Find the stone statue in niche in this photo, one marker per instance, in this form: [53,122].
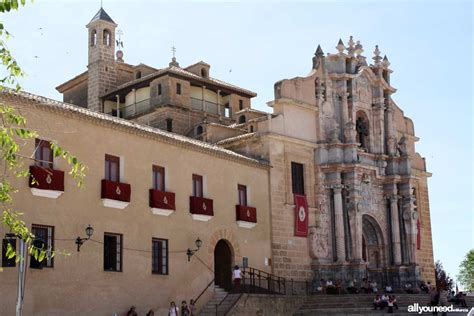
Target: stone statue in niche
[320,90]
[350,132]
[402,146]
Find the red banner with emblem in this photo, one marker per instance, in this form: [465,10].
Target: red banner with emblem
[301,215]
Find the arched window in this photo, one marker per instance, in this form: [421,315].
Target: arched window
[106,37]
[242,119]
[251,128]
[199,130]
[363,130]
[93,38]
[203,73]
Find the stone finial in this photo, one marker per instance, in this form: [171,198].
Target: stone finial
[358,49]
[340,47]
[377,57]
[385,61]
[350,48]
[319,52]
[174,62]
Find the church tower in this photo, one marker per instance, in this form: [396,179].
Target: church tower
[102,71]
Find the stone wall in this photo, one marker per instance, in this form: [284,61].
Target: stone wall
[255,304]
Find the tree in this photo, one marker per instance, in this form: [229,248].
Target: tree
[442,278]
[13,132]
[466,271]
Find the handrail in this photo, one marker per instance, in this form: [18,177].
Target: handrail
[256,276]
[210,283]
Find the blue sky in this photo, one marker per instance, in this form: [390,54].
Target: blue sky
[429,44]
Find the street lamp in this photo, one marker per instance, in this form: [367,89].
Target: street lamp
[191,252]
[80,241]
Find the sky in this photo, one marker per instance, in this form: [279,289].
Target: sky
[253,44]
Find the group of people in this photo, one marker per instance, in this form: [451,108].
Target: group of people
[367,286]
[385,301]
[183,310]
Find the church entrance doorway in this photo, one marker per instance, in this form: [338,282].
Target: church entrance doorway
[373,252]
[223,265]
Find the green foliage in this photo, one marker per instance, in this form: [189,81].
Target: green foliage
[466,271]
[14,131]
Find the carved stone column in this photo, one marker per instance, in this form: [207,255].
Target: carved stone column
[339,221]
[390,132]
[397,257]
[379,130]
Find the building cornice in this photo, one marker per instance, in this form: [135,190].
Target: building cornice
[129,127]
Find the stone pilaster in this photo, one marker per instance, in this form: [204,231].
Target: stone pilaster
[379,129]
[339,221]
[391,139]
[395,224]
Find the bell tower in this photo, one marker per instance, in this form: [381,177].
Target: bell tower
[102,71]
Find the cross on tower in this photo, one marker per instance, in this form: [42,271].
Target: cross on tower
[173,49]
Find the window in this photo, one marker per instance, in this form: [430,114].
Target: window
[197,185]
[203,73]
[138,75]
[178,88]
[242,194]
[44,239]
[169,125]
[159,89]
[242,119]
[113,252]
[93,38]
[106,37]
[43,154]
[158,178]
[297,178]
[159,249]
[251,128]
[9,239]
[199,130]
[241,105]
[112,168]
[227,110]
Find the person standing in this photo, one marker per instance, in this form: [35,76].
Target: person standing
[173,311]
[237,276]
[184,309]
[192,308]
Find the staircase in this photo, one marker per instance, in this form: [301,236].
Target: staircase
[356,304]
[220,303]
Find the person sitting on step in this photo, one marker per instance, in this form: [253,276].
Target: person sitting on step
[394,300]
[377,302]
[390,305]
[384,300]
[388,289]
[408,288]
[373,286]
[351,289]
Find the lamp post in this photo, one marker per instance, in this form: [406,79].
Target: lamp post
[191,252]
[80,241]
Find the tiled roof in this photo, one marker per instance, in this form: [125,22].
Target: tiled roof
[102,15]
[236,139]
[176,139]
[226,126]
[184,73]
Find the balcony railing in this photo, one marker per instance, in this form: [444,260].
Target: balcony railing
[210,107]
[132,110]
[137,108]
[246,216]
[115,194]
[201,209]
[162,203]
[46,182]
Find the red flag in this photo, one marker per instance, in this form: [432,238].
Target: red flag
[301,215]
